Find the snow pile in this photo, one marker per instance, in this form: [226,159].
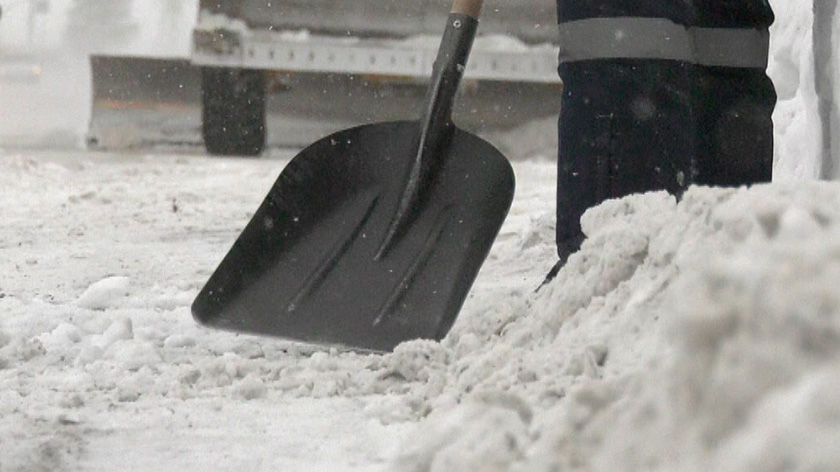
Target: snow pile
[703,335]
[104,293]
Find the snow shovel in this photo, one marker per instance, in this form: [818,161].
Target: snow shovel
[374,235]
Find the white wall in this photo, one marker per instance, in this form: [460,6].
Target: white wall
[797,146]
[827,68]
[804,68]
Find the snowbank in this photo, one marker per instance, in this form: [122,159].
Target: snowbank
[697,336]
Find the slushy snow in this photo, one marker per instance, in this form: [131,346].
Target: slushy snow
[692,335]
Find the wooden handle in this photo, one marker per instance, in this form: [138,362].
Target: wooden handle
[470,8]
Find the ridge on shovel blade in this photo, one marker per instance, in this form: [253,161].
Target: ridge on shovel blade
[371,236]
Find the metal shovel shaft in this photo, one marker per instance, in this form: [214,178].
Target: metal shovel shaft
[436,121]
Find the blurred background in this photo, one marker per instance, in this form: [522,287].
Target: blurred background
[48,86]
[45,83]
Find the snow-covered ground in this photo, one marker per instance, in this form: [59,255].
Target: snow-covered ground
[703,335]
[692,336]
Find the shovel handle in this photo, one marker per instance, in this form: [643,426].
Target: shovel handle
[436,127]
[471,8]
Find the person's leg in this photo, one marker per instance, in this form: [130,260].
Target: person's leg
[735,126]
[734,98]
[625,127]
[626,123]
[641,123]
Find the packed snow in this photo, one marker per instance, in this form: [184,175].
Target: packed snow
[692,335]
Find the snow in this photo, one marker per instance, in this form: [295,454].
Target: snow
[208,21]
[101,364]
[686,336]
[104,293]
[682,336]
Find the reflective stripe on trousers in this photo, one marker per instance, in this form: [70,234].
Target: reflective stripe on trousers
[658,38]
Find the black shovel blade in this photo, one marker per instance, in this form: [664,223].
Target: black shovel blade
[307,266]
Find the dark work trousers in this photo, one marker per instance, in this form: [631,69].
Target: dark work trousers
[734,130]
[630,125]
[625,131]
